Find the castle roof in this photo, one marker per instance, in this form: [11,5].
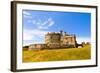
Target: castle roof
[60,33]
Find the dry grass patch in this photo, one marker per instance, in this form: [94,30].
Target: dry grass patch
[57,54]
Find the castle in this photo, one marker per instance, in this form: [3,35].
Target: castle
[54,40]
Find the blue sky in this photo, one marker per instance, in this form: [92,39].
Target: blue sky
[37,23]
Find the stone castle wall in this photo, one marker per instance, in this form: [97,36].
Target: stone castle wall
[56,40]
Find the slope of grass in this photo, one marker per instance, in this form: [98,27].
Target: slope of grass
[57,54]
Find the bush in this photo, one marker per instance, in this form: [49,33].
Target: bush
[26,47]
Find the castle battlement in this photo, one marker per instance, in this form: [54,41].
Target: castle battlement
[53,33]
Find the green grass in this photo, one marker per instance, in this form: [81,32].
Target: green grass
[57,54]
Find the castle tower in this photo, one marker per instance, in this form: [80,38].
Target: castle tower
[61,32]
[68,40]
[53,39]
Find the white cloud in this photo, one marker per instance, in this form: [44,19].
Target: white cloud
[36,35]
[46,24]
[51,23]
[33,21]
[83,39]
[26,16]
[31,34]
[28,42]
[39,23]
[27,36]
[26,13]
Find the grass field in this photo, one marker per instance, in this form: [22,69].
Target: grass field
[57,54]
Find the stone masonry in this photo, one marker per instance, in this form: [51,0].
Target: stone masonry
[54,40]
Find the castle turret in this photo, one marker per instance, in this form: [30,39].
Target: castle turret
[61,32]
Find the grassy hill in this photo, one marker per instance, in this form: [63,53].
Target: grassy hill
[57,54]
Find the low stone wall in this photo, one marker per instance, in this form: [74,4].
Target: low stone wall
[49,46]
[37,46]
